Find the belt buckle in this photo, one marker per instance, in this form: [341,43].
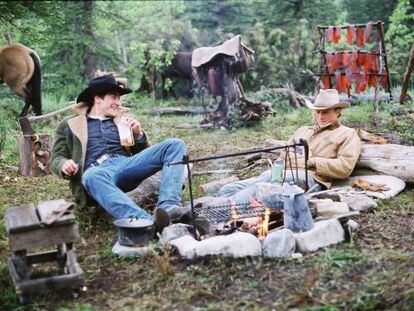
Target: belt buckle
[102,159]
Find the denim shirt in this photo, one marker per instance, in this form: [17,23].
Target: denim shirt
[103,137]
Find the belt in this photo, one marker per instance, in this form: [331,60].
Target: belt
[102,159]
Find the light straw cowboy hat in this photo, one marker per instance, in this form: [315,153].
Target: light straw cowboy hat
[327,99]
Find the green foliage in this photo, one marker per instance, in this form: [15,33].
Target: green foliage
[400,36]
[362,11]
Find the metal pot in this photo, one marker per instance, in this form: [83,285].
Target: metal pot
[134,231]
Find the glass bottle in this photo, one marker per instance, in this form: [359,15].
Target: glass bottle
[126,136]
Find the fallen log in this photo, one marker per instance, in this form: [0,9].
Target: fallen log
[212,172]
[215,185]
[356,99]
[389,159]
[295,99]
[174,111]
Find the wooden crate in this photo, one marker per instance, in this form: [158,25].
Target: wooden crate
[27,232]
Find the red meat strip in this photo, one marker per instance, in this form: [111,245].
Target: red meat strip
[372,80]
[354,59]
[367,62]
[361,59]
[360,36]
[345,59]
[330,33]
[374,62]
[350,34]
[336,57]
[326,81]
[367,32]
[363,81]
[328,58]
[337,34]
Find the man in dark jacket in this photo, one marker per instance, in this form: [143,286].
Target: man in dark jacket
[89,152]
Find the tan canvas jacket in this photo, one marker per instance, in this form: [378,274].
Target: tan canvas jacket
[335,149]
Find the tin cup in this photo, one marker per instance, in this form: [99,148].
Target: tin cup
[277,173]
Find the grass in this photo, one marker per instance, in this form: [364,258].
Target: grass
[375,272]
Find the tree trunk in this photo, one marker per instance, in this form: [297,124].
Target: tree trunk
[90,57]
[407,74]
[34,153]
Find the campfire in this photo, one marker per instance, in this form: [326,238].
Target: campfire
[255,216]
[252,217]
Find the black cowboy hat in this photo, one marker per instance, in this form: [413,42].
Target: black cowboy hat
[101,85]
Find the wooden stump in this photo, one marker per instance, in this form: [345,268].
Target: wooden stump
[34,153]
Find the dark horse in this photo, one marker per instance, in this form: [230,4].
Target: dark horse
[20,70]
[180,69]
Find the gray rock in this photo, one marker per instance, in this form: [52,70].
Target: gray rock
[329,208]
[173,232]
[297,256]
[186,246]
[127,251]
[324,233]
[359,202]
[239,244]
[280,243]
[352,225]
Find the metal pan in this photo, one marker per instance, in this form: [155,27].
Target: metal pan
[134,231]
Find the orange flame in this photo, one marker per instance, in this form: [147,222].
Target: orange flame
[265,223]
[234,214]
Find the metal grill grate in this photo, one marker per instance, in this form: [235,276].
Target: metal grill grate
[223,213]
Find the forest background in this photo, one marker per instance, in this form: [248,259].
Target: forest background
[75,38]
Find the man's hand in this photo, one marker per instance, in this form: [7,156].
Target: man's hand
[69,167]
[134,125]
[311,162]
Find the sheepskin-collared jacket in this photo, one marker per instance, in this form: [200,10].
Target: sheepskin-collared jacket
[70,142]
[335,149]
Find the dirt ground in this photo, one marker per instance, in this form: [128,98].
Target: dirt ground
[373,271]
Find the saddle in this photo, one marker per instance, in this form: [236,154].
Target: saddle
[240,56]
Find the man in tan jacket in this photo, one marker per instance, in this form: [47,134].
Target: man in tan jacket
[334,150]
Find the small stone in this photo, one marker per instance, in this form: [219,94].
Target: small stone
[359,202]
[128,251]
[297,256]
[324,233]
[173,232]
[329,209]
[352,225]
[279,244]
[186,246]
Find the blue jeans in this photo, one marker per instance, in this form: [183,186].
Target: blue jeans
[241,191]
[108,182]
